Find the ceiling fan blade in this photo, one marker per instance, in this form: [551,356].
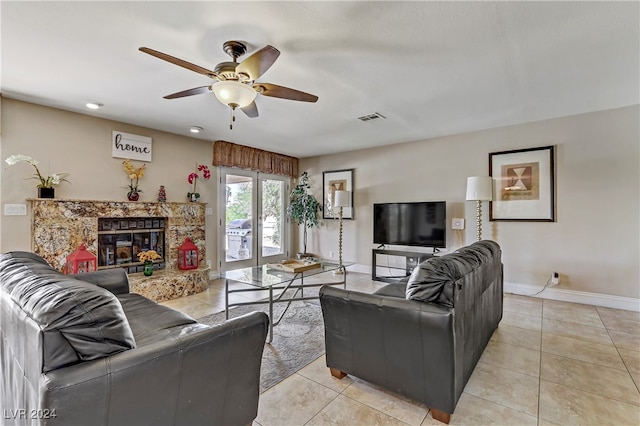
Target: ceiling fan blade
[190,92]
[179,62]
[276,91]
[251,110]
[258,63]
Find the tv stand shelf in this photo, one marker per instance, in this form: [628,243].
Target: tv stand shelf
[412,259]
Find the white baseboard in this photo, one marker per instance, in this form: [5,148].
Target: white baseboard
[554,293]
[574,296]
[363,269]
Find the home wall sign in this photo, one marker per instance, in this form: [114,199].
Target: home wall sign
[134,147]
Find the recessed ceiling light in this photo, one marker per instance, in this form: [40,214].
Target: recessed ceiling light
[93,105]
[195,129]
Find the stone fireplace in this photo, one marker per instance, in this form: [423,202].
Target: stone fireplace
[59,226]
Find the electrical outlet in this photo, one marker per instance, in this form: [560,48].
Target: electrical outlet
[330,255]
[555,278]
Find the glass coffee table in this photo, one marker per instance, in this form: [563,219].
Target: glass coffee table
[277,282]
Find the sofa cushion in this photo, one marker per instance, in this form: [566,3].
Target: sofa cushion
[78,321]
[434,280]
[393,290]
[149,321]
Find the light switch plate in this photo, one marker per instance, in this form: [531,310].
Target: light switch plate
[208,211]
[15,209]
[457,223]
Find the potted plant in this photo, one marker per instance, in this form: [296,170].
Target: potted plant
[303,207]
[46,185]
[193,179]
[147,257]
[134,176]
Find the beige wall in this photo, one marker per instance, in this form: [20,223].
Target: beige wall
[66,142]
[594,244]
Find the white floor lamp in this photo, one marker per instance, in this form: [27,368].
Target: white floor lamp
[341,199]
[479,189]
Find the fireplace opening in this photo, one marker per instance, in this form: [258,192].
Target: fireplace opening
[121,239]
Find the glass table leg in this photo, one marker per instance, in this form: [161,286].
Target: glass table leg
[270,314]
[226,299]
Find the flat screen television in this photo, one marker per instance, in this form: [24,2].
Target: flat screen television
[410,224]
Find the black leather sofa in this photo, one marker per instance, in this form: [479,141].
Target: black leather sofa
[82,350]
[421,337]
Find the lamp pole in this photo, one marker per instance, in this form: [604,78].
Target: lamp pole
[340,265]
[342,199]
[479,219]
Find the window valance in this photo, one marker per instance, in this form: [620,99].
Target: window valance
[229,154]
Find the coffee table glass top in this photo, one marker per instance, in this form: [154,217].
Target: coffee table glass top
[264,276]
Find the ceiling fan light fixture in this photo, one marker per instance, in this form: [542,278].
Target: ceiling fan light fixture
[234,93]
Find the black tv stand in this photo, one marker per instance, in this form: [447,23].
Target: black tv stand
[412,259]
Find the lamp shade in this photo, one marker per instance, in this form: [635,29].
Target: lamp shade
[479,188]
[342,199]
[234,93]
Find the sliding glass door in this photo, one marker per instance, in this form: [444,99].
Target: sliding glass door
[253,227]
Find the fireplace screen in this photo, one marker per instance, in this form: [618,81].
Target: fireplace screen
[121,239]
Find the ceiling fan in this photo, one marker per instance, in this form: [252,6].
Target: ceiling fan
[235,82]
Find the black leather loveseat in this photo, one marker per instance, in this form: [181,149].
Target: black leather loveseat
[421,337]
[83,350]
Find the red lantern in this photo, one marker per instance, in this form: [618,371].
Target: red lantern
[188,255]
[81,261]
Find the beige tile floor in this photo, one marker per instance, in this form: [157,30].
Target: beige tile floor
[548,363]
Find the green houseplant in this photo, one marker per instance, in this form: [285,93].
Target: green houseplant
[303,207]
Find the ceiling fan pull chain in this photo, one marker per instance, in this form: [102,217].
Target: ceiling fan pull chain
[232,118]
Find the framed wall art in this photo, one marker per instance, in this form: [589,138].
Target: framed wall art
[523,185]
[332,181]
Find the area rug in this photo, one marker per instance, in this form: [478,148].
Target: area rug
[297,340]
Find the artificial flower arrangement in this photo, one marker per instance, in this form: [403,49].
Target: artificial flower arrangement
[45,182]
[134,175]
[193,179]
[148,256]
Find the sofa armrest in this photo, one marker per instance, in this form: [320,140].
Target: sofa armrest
[403,345]
[207,375]
[115,280]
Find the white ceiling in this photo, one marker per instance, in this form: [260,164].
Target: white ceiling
[432,68]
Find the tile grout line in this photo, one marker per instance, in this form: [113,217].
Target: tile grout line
[540,366]
[587,362]
[619,354]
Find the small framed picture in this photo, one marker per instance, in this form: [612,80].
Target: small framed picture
[332,181]
[523,185]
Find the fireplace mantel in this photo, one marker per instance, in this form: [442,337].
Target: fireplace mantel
[58,226]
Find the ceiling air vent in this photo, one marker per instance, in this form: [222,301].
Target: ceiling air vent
[371,117]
